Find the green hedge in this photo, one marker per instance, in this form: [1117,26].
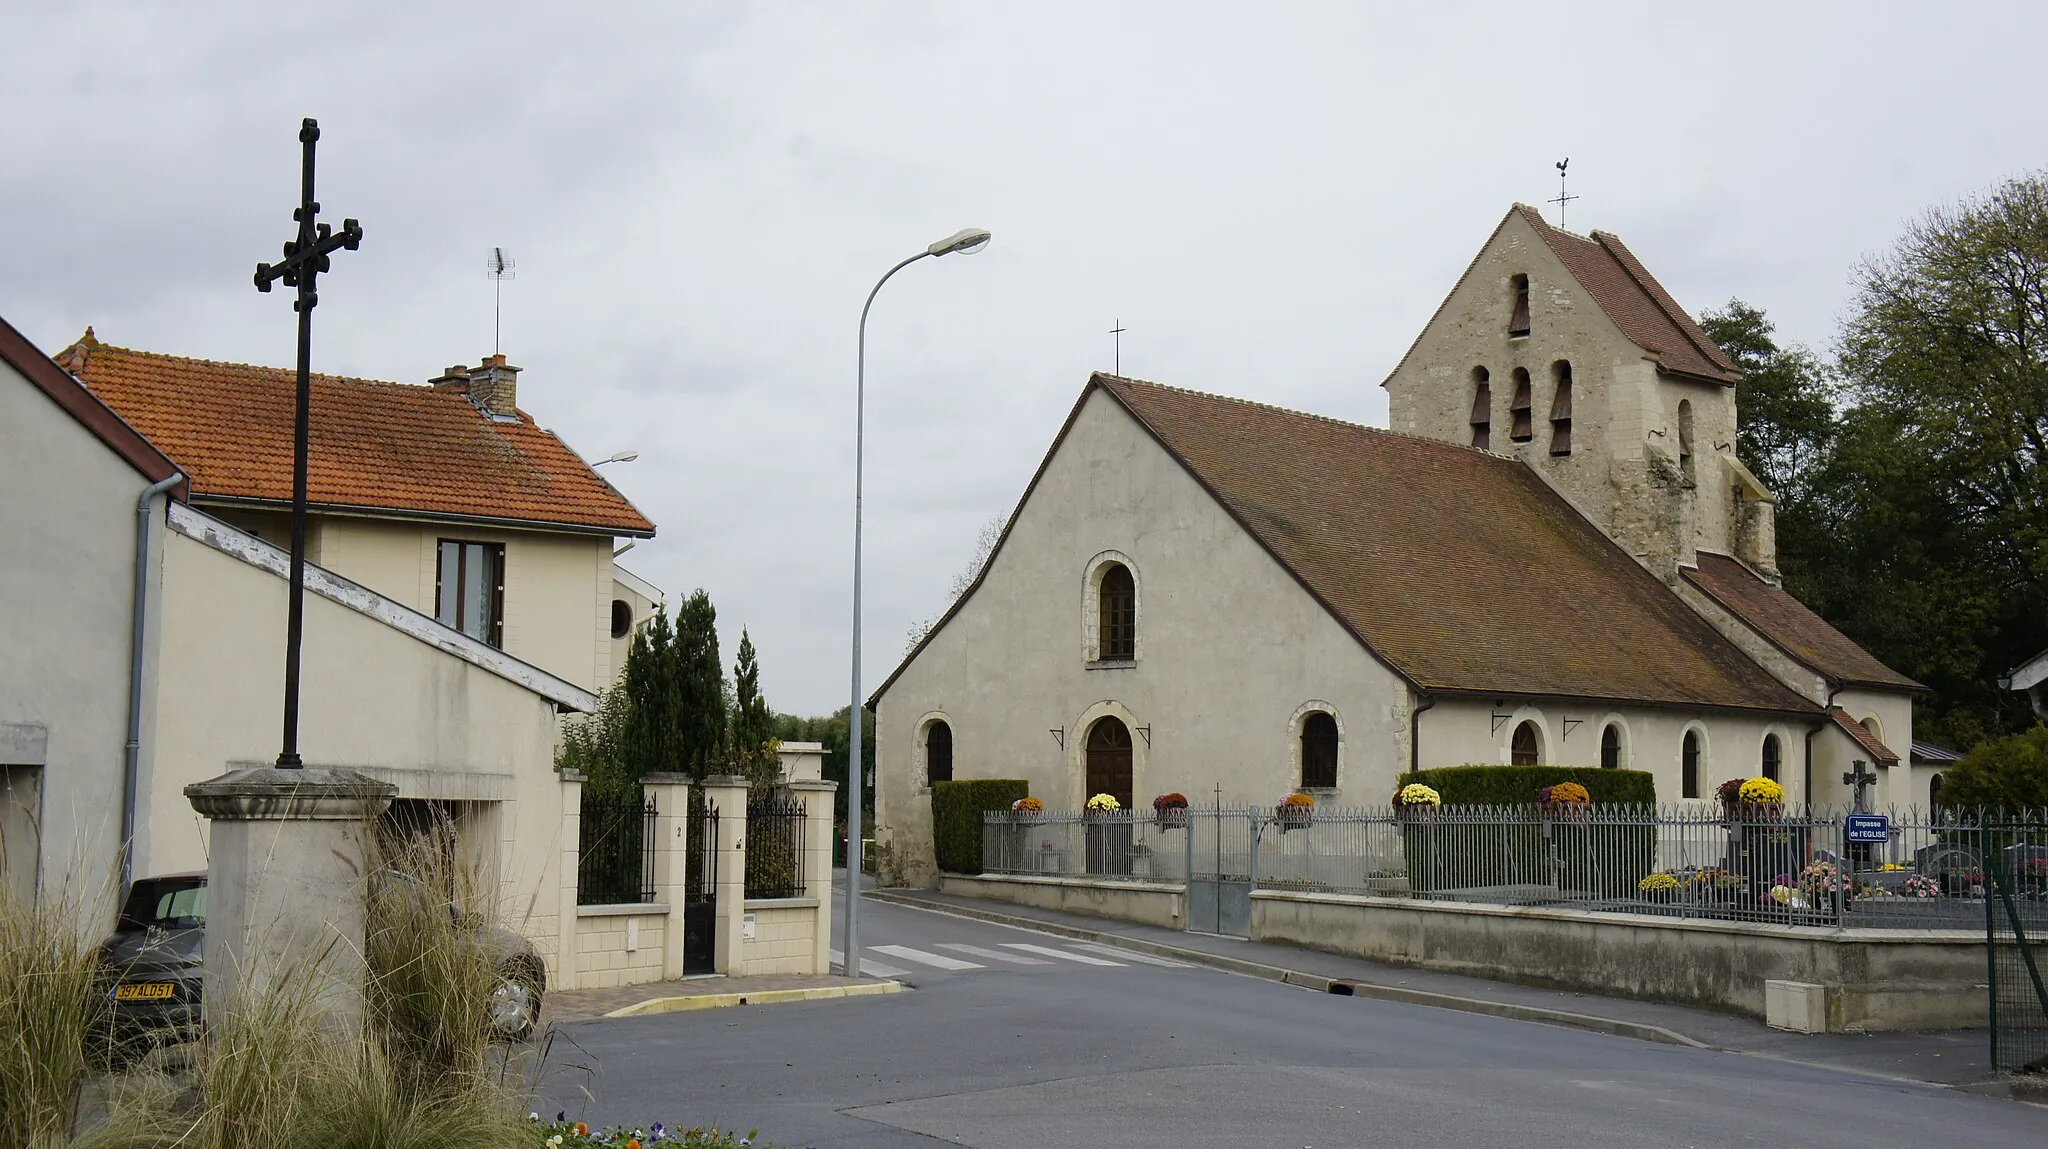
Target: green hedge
[1517,785]
[957,808]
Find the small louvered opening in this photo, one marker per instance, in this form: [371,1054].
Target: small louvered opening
[1523,422]
[1518,321]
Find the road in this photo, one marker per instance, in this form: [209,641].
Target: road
[1012,1039]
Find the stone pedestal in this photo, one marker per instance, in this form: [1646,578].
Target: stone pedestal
[286,883]
[802,761]
[728,794]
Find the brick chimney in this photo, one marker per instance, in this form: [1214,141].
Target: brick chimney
[456,378]
[493,387]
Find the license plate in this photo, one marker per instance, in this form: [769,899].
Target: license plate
[145,991]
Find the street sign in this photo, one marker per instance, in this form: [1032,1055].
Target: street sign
[1868,828]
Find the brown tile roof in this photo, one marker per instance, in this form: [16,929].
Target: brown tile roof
[1462,569]
[1863,738]
[1790,626]
[80,404]
[391,447]
[1635,301]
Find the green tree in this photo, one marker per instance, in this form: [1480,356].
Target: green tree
[2009,773]
[830,731]
[752,725]
[699,687]
[652,713]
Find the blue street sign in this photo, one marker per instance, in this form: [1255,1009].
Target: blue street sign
[1868,828]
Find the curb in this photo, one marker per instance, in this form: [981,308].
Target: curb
[1343,987]
[689,1002]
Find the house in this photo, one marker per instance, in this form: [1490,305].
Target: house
[1552,556]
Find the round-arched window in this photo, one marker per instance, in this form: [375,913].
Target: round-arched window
[938,753]
[1934,790]
[622,618]
[1319,752]
[1523,749]
[1773,757]
[1118,621]
[1610,747]
[1689,765]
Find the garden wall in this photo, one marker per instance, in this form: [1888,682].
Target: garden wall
[782,937]
[617,945]
[1146,903]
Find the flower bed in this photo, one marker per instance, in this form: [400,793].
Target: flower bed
[564,1134]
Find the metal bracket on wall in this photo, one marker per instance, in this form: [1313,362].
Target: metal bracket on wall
[1059,735]
[1147,732]
[1568,724]
[1500,720]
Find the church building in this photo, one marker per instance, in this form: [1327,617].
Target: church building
[1552,556]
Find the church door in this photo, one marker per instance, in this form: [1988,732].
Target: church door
[1109,761]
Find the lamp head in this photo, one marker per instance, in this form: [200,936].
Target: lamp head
[623,457]
[966,241]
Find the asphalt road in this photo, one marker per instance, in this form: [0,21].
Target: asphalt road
[1057,1050]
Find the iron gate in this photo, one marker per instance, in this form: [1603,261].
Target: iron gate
[1222,846]
[700,887]
[2018,959]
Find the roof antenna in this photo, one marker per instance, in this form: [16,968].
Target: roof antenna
[500,266]
[1562,199]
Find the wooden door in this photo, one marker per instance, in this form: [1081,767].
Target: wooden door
[1109,760]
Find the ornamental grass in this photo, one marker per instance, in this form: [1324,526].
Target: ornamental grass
[52,1014]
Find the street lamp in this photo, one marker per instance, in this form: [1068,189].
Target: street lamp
[966,241]
[619,457]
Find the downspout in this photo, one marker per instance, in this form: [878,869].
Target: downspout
[132,756]
[1415,730]
[1817,728]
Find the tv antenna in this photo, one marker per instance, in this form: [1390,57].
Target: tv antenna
[501,267]
[1562,199]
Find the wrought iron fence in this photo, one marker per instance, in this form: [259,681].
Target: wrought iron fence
[615,856]
[2016,881]
[1759,863]
[775,848]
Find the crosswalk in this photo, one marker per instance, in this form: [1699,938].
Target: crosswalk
[961,957]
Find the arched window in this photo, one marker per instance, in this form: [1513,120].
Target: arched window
[1119,615]
[1685,437]
[938,753]
[1522,748]
[1109,760]
[1319,752]
[622,618]
[1934,790]
[1610,747]
[1518,319]
[1869,722]
[1561,408]
[1773,756]
[1689,766]
[1521,425]
[1482,409]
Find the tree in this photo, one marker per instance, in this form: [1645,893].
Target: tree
[984,548]
[699,687]
[830,731]
[753,726]
[652,713]
[2008,774]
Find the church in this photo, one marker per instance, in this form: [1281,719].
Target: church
[1552,555]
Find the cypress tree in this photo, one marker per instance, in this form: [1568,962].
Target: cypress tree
[698,687]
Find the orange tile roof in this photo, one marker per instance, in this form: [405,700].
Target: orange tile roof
[390,447]
[1789,625]
[1861,736]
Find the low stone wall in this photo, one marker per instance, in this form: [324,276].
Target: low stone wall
[783,938]
[1147,903]
[617,945]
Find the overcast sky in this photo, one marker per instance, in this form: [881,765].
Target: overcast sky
[1272,198]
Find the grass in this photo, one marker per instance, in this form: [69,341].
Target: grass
[51,1006]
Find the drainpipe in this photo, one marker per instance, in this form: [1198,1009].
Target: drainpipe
[1415,730]
[130,763]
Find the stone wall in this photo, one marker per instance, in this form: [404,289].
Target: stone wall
[618,945]
[1143,902]
[784,936]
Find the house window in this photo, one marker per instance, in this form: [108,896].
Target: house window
[1561,408]
[1523,427]
[1610,747]
[1934,790]
[1689,766]
[1773,757]
[1518,320]
[622,618]
[1685,438]
[469,593]
[1319,752]
[1482,409]
[1118,632]
[938,753]
[1522,748]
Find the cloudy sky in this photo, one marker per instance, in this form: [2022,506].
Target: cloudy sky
[1272,198]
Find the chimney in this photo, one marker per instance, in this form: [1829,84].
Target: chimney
[493,387]
[456,378]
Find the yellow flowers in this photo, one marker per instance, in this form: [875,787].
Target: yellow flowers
[1761,791]
[1658,884]
[1416,794]
[1567,792]
[1104,803]
[1298,799]
[1028,806]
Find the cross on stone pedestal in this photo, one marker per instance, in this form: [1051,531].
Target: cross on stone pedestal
[305,258]
[1859,780]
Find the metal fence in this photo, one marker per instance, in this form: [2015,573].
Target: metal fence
[775,848]
[1777,864]
[615,853]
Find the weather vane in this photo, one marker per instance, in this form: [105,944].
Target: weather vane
[1562,199]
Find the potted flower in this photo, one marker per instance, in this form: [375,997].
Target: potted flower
[1170,811]
[1658,887]
[1294,811]
[1919,886]
[1103,805]
[1758,800]
[1027,807]
[1565,802]
[1416,802]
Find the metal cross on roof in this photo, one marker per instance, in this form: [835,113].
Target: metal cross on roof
[1117,333]
[1562,199]
[305,257]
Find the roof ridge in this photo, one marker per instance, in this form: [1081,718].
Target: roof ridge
[1688,329]
[99,347]
[1332,419]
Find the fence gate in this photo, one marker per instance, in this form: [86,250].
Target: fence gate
[700,887]
[2018,948]
[1222,848]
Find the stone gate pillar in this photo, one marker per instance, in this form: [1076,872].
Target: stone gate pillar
[286,883]
[817,846]
[728,794]
[670,794]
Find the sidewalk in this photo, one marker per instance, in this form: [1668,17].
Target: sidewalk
[1956,1058]
[703,993]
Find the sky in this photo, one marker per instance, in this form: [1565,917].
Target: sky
[1270,198]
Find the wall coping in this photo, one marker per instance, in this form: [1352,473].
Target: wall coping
[622,910]
[1081,883]
[782,903]
[1837,934]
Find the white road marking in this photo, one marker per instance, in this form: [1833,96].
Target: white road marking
[1048,951]
[939,961]
[869,967]
[994,955]
[1132,955]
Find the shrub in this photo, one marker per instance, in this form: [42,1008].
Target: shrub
[957,808]
[2009,774]
[1517,785]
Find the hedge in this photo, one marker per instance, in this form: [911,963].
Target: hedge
[1517,785]
[957,808]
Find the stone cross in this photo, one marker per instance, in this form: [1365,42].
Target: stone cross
[1859,780]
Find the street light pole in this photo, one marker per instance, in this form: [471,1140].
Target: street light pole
[966,242]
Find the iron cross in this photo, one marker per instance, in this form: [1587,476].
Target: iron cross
[305,257]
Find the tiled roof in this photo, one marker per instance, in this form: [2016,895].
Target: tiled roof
[1862,737]
[1635,301]
[1790,626]
[391,447]
[27,359]
[1462,569]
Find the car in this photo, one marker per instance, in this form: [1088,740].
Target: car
[153,964]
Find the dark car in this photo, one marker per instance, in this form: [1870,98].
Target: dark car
[153,963]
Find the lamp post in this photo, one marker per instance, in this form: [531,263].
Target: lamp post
[967,241]
[619,457]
